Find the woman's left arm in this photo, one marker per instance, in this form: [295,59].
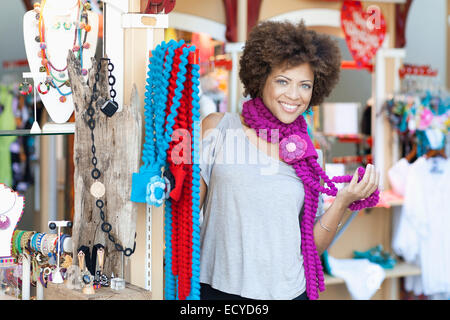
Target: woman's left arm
[326,227]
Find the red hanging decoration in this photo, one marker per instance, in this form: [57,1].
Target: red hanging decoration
[364,31]
[180,164]
[159,6]
[401,15]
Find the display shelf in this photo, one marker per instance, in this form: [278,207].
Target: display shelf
[131,292]
[26,132]
[402,269]
[7,297]
[48,129]
[348,138]
[388,199]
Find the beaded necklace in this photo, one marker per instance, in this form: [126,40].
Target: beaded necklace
[47,65]
[296,149]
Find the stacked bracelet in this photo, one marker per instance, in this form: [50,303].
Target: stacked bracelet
[25,241]
[39,241]
[17,242]
[326,228]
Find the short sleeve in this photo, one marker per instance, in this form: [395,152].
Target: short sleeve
[320,208]
[209,147]
[207,156]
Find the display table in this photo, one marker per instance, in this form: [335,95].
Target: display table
[7,297]
[131,292]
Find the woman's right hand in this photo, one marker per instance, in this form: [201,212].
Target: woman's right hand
[359,190]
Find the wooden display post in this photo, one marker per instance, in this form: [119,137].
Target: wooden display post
[118,144]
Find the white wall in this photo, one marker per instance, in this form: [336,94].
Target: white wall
[426,39]
[11,34]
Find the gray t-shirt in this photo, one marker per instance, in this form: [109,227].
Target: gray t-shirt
[250,232]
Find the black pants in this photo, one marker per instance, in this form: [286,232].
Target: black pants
[209,293]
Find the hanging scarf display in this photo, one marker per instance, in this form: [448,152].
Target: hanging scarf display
[420,118]
[297,149]
[170,169]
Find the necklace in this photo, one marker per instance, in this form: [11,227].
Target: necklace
[4,219]
[296,149]
[47,65]
[97,188]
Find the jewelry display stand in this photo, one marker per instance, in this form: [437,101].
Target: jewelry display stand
[117,140]
[129,34]
[58,43]
[85,278]
[57,277]
[11,209]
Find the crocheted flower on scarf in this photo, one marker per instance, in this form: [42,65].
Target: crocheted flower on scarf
[156,191]
[292,148]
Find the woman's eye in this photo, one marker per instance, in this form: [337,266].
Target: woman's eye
[306,86]
[282,82]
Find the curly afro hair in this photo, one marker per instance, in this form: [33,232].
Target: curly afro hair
[282,44]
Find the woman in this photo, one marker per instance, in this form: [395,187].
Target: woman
[263,229]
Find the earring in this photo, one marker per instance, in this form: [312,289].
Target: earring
[25,88]
[308,112]
[46,87]
[57,25]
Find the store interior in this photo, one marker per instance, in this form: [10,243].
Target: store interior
[393,111]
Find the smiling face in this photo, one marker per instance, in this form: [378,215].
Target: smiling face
[287,92]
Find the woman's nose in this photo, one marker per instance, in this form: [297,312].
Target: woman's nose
[293,92]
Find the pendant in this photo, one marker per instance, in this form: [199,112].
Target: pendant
[4,222]
[109,108]
[98,189]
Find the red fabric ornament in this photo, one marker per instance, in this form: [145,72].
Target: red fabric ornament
[364,31]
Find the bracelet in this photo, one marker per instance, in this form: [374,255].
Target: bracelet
[13,242]
[43,243]
[51,243]
[61,243]
[32,241]
[26,240]
[39,242]
[326,228]
[18,246]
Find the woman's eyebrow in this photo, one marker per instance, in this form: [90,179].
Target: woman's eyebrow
[307,80]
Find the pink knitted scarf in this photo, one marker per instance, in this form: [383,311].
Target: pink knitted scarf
[267,126]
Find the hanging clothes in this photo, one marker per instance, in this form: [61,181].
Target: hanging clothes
[7,122]
[422,237]
[22,149]
[419,118]
[398,175]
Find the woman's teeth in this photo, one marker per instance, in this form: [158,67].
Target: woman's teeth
[289,107]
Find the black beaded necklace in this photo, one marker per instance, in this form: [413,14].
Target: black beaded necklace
[97,188]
